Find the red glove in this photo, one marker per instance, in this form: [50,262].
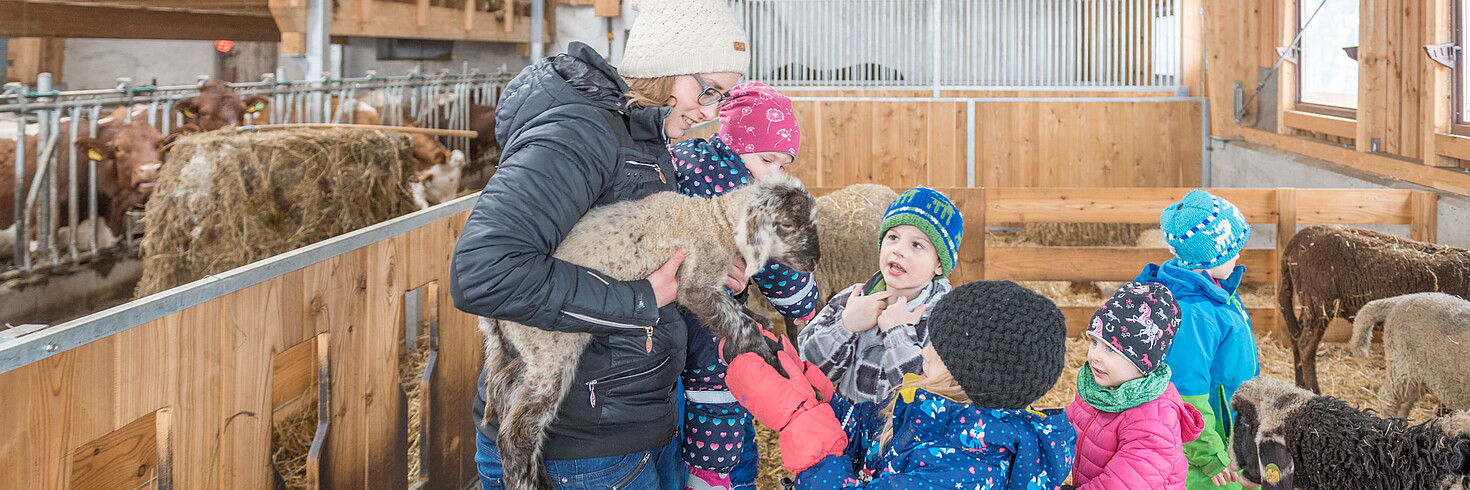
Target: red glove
[809,430]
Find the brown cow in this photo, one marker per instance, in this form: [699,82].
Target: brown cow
[216,106]
[129,157]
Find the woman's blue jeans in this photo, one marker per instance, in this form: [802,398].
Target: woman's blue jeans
[659,468]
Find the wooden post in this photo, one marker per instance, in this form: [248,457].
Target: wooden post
[1424,222]
[32,56]
[423,13]
[971,203]
[469,15]
[509,15]
[1286,76]
[1436,112]
[163,423]
[1285,229]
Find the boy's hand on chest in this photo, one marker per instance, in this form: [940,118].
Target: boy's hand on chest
[898,314]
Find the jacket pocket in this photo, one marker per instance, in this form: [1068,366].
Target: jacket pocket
[633,396]
[640,176]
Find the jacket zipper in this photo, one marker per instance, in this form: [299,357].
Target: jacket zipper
[655,168]
[592,385]
[636,470]
[1082,436]
[605,323]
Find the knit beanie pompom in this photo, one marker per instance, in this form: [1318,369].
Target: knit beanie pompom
[680,37]
[1005,344]
[1203,230]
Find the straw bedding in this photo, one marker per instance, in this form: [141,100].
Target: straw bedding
[227,198]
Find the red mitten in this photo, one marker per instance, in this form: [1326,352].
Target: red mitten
[809,430]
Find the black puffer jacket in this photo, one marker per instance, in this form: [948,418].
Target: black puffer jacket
[563,156]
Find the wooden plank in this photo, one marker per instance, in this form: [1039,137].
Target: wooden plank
[1425,223]
[1321,123]
[385,409]
[971,204]
[294,373]
[607,8]
[348,304]
[248,324]
[1437,178]
[508,16]
[1354,206]
[1094,205]
[1100,263]
[124,458]
[461,352]
[1079,316]
[32,56]
[421,17]
[1452,145]
[1436,104]
[56,20]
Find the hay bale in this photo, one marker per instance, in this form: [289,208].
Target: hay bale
[228,198]
[1083,234]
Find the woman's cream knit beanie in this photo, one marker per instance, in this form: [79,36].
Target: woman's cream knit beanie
[679,37]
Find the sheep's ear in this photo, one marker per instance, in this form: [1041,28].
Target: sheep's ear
[1276,465]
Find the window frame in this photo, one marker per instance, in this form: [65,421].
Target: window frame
[1457,124]
[1326,110]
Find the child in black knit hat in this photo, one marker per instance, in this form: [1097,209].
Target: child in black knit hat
[996,347]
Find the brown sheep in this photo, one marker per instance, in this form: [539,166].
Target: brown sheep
[1334,270]
[847,233]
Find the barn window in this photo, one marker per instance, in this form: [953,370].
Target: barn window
[1327,80]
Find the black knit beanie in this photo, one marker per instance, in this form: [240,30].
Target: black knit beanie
[1005,344]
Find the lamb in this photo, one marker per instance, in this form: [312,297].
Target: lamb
[1334,270]
[1426,338]
[1287,437]
[773,218]
[847,229]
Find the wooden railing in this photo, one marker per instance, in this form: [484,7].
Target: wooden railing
[1283,209]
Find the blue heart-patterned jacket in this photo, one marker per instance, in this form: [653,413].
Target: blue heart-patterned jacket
[942,443]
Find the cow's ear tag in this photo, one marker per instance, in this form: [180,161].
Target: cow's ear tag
[94,154]
[190,113]
[259,106]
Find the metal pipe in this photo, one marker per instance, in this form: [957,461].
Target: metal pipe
[538,25]
[22,230]
[318,38]
[42,185]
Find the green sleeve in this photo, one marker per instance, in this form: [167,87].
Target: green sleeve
[1208,451]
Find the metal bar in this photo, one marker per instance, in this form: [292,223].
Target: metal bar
[22,255]
[92,178]
[970,143]
[72,213]
[43,187]
[75,333]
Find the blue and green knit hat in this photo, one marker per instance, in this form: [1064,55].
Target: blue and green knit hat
[1203,230]
[933,213]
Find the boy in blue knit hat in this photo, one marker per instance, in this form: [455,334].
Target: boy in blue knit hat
[870,335]
[1215,349]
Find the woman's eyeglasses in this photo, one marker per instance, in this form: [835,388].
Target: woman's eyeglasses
[710,95]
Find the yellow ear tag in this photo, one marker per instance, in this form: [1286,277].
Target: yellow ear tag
[1272,474]
[259,106]
[94,154]
[189,113]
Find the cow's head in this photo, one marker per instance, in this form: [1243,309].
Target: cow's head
[129,155]
[217,106]
[441,181]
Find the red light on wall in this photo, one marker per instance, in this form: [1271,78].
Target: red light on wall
[224,46]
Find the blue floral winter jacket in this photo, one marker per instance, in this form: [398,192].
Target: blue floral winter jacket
[941,443]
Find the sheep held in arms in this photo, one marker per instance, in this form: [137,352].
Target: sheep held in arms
[1286,437]
[1426,339]
[1334,270]
[775,218]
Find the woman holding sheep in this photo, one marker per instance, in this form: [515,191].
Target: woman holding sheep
[577,133]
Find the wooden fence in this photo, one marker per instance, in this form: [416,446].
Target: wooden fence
[999,141]
[1283,209]
[179,390]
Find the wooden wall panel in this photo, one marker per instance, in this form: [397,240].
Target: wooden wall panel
[211,367]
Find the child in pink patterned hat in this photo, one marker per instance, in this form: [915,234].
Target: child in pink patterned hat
[757,137]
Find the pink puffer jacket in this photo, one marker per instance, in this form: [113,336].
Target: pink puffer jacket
[1142,447]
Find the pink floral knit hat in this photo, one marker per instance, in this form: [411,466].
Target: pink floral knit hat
[759,119]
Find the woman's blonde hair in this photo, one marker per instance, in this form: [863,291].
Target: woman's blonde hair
[650,92]
[943,385]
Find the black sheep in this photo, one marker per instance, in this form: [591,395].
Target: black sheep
[1286,437]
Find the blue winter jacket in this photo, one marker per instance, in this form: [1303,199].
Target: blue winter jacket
[941,443]
[1213,353]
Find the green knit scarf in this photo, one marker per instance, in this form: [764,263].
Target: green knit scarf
[1126,396]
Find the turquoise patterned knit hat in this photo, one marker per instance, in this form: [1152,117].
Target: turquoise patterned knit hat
[1203,230]
[935,215]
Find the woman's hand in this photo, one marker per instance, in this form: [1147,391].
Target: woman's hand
[898,314]
[862,311]
[735,279]
[665,280]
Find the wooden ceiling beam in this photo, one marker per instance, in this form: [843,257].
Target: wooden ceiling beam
[36,19]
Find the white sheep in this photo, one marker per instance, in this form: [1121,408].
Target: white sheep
[1426,340]
[775,218]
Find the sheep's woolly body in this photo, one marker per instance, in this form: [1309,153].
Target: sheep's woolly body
[1333,270]
[1334,446]
[1426,339]
[628,241]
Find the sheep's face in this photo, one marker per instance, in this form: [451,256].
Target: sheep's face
[1257,448]
[780,224]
